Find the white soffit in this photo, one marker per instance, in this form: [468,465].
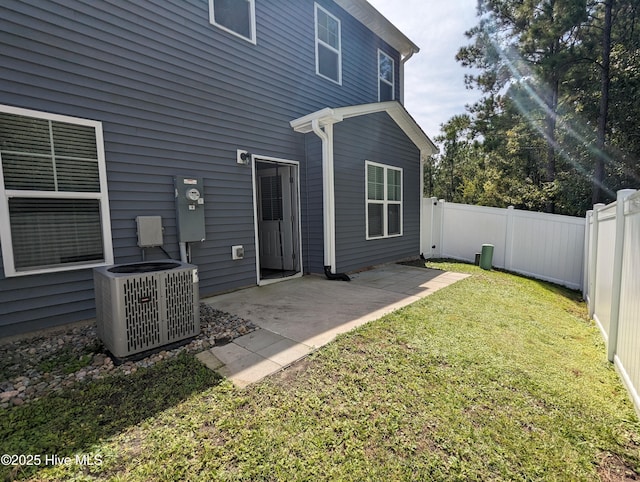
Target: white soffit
[364,12]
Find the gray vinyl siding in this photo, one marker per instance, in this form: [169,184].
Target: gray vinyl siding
[312,225]
[26,301]
[375,138]
[176,96]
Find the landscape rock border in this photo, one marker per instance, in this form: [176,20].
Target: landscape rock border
[28,368]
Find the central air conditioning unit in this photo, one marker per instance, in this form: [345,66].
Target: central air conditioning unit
[142,306]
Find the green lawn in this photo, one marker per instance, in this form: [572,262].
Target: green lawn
[497,377]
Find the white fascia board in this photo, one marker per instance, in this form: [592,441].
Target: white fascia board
[401,117]
[366,14]
[324,116]
[395,110]
[411,128]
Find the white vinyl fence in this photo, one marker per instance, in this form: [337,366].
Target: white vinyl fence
[612,282]
[544,246]
[600,256]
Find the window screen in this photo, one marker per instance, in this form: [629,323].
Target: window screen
[236,16]
[376,228]
[50,232]
[393,216]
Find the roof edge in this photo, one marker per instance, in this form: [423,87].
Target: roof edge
[393,108]
[324,116]
[366,13]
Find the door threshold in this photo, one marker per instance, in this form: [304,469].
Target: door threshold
[270,281]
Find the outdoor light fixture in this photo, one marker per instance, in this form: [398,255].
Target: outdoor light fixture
[243,157]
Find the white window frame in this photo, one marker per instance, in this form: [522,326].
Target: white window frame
[393,75]
[385,202]
[252,26]
[326,45]
[102,197]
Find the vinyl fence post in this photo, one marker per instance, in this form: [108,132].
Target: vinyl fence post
[586,263]
[427,220]
[441,207]
[594,258]
[508,244]
[616,286]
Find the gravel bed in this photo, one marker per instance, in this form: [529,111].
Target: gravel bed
[31,368]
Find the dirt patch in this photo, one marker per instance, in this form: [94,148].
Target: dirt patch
[612,468]
[292,372]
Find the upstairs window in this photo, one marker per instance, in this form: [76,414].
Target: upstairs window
[54,210]
[384,201]
[386,77]
[235,16]
[328,46]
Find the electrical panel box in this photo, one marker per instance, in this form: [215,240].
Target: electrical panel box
[149,231]
[189,209]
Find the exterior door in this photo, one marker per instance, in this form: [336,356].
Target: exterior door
[278,232]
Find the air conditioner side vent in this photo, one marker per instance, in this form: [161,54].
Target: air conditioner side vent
[181,315]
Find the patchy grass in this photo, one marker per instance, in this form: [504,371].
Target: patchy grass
[63,360]
[497,377]
[66,360]
[77,421]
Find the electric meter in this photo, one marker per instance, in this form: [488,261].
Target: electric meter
[193,194]
[190,209]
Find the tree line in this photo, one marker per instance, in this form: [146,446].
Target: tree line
[557,126]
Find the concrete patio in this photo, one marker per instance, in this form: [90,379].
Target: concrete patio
[297,316]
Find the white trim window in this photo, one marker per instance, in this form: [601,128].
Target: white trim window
[54,208]
[237,17]
[328,46]
[383,200]
[386,77]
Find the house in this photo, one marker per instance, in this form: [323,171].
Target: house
[286,116]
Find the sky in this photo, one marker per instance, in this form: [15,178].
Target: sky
[434,80]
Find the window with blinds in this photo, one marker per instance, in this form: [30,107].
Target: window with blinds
[384,200]
[271,198]
[52,194]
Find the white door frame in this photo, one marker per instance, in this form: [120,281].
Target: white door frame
[255,158]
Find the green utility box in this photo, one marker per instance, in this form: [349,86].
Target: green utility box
[486,256]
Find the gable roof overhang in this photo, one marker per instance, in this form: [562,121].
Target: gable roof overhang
[394,109]
[321,123]
[366,14]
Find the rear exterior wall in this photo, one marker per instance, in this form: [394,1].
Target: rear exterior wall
[376,138]
[176,96]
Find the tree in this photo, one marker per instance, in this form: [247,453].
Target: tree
[443,169]
[558,117]
[605,82]
[530,42]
